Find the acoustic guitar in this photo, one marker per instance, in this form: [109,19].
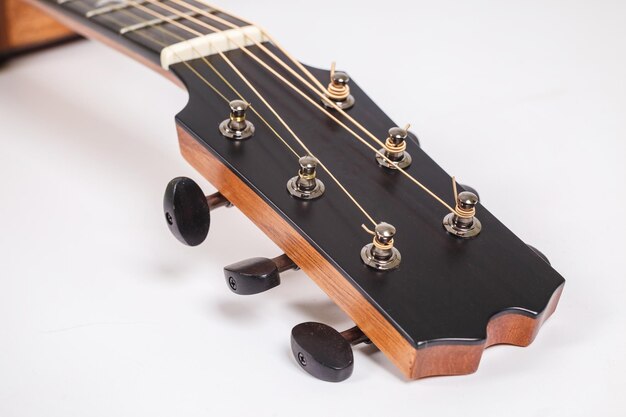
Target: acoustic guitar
[428,275]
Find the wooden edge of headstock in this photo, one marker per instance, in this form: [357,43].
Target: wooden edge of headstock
[459,359]
[452,359]
[371,322]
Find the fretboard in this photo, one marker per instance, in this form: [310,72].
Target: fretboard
[146,26]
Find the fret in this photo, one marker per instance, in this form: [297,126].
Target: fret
[124,5]
[157,21]
[113,8]
[158,37]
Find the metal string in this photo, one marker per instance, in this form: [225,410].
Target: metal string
[270,38]
[320,90]
[285,81]
[341,186]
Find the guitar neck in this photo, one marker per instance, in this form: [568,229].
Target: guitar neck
[141,29]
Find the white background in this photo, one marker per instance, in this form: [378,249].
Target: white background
[103,313]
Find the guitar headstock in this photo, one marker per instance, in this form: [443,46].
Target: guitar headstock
[447,298]
[319,167]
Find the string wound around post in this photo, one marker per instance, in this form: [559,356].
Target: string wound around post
[381,253]
[394,154]
[338,91]
[306,185]
[463,222]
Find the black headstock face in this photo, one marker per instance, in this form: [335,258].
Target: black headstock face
[446,289]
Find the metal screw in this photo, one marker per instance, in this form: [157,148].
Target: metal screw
[301,359]
[232,283]
[168,218]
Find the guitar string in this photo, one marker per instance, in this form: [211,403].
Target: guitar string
[204,80]
[285,81]
[319,90]
[341,186]
[288,68]
[273,41]
[268,36]
[278,60]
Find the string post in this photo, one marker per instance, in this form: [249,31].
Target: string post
[338,91]
[306,185]
[463,222]
[394,155]
[236,126]
[381,253]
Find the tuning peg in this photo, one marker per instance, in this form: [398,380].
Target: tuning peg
[539,253]
[413,138]
[324,352]
[256,275]
[471,190]
[187,210]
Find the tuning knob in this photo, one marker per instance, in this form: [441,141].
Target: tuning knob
[539,254]
[413,138]
[471,190]
[324,352]
[187,210]
[256,275]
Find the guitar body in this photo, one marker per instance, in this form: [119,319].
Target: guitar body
[24,27]
[448,299]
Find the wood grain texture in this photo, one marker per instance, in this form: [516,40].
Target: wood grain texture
[23,26]
[440,359]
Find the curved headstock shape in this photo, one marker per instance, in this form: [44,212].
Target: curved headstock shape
[450,297]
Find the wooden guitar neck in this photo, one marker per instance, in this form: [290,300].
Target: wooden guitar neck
[24,27]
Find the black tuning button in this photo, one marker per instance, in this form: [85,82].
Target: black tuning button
[187,210]
[256,275]
[413,138]
[324,352]
[539,254]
